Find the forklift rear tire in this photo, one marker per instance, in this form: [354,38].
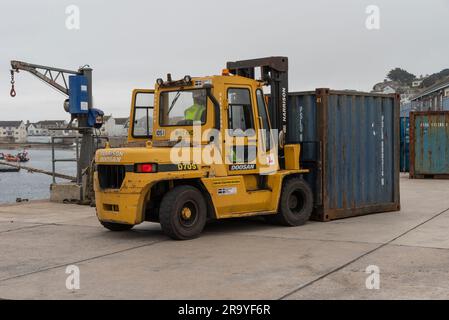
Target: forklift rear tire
[116,226]
[183,213]
[296,204]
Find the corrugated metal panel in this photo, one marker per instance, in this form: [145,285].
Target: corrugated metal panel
[350,141]
[405,145]
[429,144]
[302,127]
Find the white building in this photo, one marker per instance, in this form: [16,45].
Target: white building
[32,130]
[108,126]
[417,83]
[114,127]
[13,131]
[43,128]
[121,127]
[386,87]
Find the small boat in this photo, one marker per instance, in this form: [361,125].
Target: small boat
[11,158]
[23,156]
[8,169]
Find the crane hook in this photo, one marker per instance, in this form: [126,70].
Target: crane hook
[13,90]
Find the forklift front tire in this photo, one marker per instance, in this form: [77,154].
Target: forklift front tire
[116,226]
[183,213]
[296,204]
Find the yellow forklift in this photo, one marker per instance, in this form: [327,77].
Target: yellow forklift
[214,149]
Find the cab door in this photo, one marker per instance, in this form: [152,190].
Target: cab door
[247,191]
[141,117]
[241,134]
[267,150]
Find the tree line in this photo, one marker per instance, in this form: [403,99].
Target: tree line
[406,78]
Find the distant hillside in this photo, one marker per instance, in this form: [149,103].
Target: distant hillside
[406,78]
[407,84]
[434,78]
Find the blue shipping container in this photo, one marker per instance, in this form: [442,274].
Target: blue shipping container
[405,145]
[350,142]
[429,144]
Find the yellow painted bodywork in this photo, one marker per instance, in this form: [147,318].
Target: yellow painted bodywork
[246,201]
[291,153]
[232,193]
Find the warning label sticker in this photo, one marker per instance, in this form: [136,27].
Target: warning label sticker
[227,191]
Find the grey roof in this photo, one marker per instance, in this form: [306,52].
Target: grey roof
[121,120]
[437,86]
[14,124]
[383,85]
[50,122]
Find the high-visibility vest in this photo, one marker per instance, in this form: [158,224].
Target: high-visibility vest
[194,112]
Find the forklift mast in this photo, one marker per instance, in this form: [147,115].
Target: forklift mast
[274,72]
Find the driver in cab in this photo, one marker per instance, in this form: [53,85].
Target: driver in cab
[196,112]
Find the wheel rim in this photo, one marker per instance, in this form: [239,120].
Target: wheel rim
[188,214]
[296,201]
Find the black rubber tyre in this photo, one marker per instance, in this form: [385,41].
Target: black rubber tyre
[296,204]
[116,226]
[183,213]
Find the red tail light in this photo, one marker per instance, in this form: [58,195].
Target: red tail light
[145,168]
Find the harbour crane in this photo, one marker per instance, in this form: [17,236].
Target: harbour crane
[76,85]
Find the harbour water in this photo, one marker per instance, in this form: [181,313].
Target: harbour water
[34,186]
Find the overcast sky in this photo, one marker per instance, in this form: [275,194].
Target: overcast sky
[131,43]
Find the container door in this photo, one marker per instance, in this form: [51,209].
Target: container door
[360,175]
[431,143]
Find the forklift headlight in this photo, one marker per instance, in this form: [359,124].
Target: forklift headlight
[145,168]
[160,82]
[188,79]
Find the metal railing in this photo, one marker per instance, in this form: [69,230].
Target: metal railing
[76,138]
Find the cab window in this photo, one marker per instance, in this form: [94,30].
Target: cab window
[143,114]
[262,109]
[183,108]
[240,112]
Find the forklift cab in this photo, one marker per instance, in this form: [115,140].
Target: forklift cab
[227,111]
